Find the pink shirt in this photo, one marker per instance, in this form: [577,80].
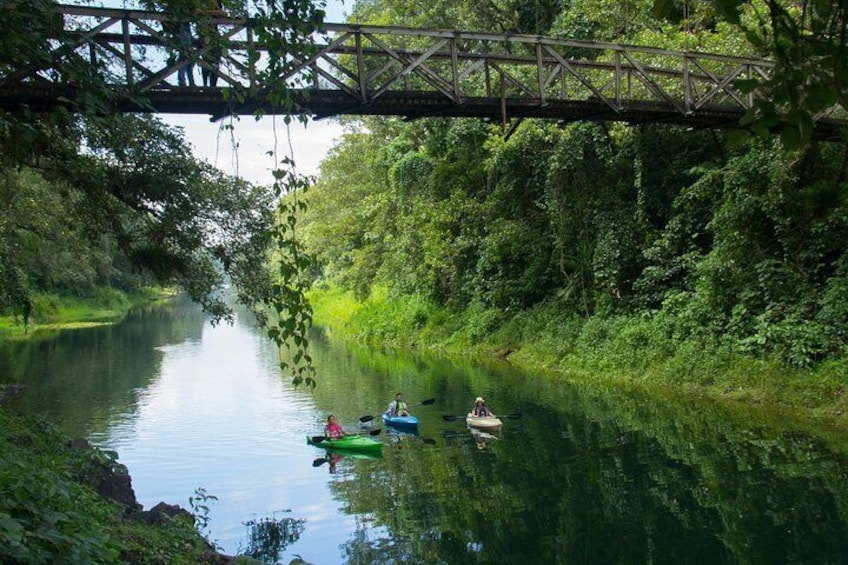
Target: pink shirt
[333,430]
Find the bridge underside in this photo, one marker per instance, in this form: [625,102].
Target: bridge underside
[392,71]
[410,105]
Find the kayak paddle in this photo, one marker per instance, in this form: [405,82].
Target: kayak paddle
[427,402]
[450,418]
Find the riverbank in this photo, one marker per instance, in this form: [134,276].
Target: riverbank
[53,312]
[614,350]
[62,500]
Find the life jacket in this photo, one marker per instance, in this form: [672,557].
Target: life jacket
[333,431]
[395,408]
[481,410]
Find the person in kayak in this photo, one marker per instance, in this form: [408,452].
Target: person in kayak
[333,429]
[398,407]
[480,409]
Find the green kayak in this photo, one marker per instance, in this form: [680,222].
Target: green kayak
[352,443]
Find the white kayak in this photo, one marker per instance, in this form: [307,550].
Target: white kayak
[483,422]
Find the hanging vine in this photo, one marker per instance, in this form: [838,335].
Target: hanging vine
[283,33]
[284,30]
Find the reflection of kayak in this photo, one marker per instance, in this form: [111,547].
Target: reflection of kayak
[396,433]
[483,422]
[334,456]
[354,443]
[480,435]
[366,454]
[404,422]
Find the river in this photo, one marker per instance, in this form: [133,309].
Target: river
[578,474]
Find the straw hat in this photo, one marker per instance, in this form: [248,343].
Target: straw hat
[479,399]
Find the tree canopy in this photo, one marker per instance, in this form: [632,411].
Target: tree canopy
[740,245]
[129,189]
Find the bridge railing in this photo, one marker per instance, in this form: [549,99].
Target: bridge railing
[142,52]
[463,65]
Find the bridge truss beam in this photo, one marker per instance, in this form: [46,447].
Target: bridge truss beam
[414,73]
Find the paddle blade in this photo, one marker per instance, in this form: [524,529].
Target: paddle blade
[318,439]
[367,418]
[428,402]
[375,432]
[449,418]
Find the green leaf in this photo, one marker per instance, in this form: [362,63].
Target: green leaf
[738,138]
[790,137]
[729,9]
[662,8]
[747,85]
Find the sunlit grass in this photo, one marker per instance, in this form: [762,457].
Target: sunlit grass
[333,306]
[54,312]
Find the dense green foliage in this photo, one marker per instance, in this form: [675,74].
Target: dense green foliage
[134,208]
[602,245]
[808,42]
[746,248]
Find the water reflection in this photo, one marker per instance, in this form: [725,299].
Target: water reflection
[586,474]
[333,459]
[268,537]
[481,438]
[86,379]
[593,475]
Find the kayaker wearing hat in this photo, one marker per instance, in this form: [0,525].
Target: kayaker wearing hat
[480,409]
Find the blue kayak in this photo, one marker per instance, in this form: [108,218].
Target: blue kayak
[407,422]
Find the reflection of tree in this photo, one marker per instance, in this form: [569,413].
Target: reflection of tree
[81,377]
[599,476]
[366,547]
[268,538]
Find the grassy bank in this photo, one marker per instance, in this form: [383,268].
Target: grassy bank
[62,312]
[636,351]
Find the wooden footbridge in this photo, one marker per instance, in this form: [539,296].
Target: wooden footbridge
[415,73]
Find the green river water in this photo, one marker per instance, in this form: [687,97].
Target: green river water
[583,475]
